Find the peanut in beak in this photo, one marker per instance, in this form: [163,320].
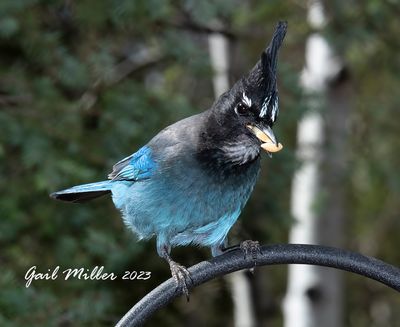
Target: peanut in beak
[267,144]
[272,147]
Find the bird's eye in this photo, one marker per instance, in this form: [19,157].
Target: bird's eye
[241,108]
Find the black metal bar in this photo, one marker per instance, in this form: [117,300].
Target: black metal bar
[270,255]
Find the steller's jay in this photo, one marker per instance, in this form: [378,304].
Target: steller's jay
[189,184]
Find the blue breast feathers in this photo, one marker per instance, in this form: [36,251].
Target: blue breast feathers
[210,234]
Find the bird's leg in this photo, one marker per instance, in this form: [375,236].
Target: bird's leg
[247,247]
[219,248]
[180,274]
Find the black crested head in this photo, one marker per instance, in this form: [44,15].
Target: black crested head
[242,118]
[260,84]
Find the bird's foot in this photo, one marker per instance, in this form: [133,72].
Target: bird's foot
[251,247]
[181,276]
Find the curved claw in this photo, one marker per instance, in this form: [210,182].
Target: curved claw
[251,247]
[181,276]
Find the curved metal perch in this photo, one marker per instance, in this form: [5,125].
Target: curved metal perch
[234,260]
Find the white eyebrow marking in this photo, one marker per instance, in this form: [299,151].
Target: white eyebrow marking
[246,100]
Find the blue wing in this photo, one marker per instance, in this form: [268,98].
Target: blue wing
[137,166]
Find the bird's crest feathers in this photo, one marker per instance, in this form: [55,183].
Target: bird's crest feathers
[261,81]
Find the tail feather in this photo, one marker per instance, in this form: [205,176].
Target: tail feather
[83,193]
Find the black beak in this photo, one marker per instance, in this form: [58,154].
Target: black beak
[268,131]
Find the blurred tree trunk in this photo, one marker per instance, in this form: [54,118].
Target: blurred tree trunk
[314,296]
[240,285]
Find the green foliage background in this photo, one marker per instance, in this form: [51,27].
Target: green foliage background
[85,83]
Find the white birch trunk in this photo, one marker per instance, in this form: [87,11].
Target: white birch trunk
[240,286]
[314,295]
